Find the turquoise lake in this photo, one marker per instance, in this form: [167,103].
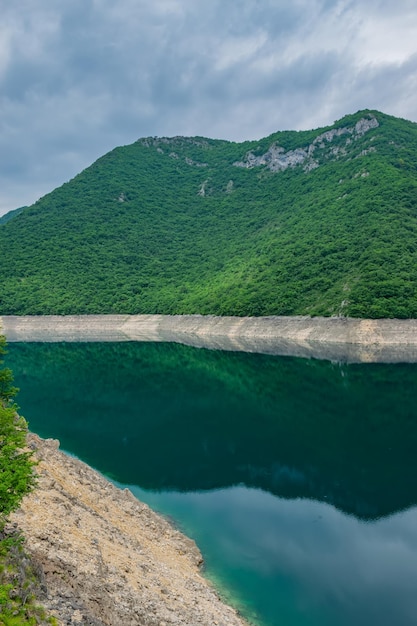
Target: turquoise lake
[297,478]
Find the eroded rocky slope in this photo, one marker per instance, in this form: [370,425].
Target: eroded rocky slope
[106,559]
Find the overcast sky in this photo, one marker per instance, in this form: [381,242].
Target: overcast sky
[80,77]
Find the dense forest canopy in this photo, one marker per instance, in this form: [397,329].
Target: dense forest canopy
[319,222]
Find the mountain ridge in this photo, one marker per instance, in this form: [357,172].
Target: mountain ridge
[319,222]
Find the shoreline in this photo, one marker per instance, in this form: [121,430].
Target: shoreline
[106,558]
[350,340]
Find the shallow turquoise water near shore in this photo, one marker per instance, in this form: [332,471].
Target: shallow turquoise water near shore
[297,478]
[303,561]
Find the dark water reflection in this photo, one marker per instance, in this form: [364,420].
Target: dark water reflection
[280,467]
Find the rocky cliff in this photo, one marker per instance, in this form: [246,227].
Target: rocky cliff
[106,559]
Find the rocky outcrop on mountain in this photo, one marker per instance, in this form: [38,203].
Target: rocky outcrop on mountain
[106,559]
[277,159]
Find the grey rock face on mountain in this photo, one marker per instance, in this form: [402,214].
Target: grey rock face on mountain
[277,159]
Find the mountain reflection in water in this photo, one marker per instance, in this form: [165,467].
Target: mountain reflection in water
[319,565]
[259,458]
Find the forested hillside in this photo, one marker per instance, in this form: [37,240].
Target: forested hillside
[319,222]
[10,215]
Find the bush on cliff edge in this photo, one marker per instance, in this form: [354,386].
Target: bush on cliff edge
[18,581]
[16,466]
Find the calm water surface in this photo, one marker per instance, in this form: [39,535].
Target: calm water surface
[297,478]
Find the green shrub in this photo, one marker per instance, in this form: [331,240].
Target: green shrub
[17,579]
[16,465]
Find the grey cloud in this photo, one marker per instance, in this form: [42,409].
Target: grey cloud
[391,88]
[79,78]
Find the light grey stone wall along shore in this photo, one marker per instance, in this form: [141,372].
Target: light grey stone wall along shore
[335,338]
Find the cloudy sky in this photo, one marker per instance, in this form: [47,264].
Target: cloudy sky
[79,77]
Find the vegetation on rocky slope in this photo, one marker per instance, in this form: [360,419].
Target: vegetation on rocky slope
[16,467]
[318,222]
[18,580]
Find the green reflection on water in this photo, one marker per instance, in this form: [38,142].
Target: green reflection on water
[170,418]
[166,416]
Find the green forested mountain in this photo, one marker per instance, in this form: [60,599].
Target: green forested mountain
[8,216]
[319,222]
